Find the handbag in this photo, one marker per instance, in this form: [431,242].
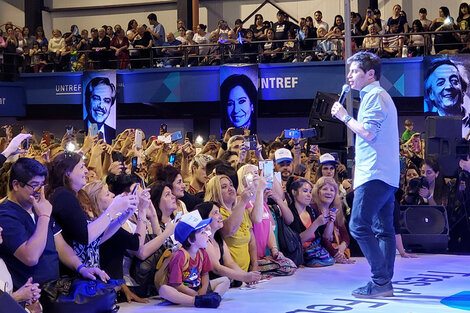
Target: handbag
[316,256]
[279,267]
[76,295]
[289,240]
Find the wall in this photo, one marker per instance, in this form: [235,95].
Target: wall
[60,4]
[10,13]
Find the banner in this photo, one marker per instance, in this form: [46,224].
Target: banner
[12,99]
[99,102]
[446,87]
[239,96]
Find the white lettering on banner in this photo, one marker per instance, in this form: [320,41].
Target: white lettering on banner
[279,82]
[74,89]
[3,100]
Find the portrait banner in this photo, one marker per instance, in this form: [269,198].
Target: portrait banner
[99,103]
[239,96]
[446,91]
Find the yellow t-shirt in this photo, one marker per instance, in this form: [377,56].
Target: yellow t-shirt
[238,244]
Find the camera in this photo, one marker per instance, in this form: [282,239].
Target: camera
[412,196]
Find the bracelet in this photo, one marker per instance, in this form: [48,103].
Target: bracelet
[80,267]
[142,220]
[109,216]
[48,216]
[346,119]
[430,196]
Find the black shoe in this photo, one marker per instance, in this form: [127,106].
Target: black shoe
[210,300]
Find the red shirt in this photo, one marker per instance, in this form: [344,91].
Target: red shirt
[191,276]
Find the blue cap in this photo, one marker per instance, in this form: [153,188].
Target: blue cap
[190,222]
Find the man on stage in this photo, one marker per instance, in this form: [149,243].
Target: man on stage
[377,172]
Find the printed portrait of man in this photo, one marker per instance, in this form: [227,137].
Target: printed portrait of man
[100,96]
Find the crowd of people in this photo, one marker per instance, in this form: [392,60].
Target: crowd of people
[310,39]
[220,217]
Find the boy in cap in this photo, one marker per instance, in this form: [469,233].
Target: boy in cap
[188,279]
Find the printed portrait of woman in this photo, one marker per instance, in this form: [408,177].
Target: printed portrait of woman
[238,96]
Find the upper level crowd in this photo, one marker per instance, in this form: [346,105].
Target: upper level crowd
[154,45]
[119,205]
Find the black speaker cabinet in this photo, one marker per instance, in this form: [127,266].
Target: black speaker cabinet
[424,228]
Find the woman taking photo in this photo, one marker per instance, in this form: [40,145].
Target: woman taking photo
[83,233]
[238,229]
[335,236]
[438,192]
[307,223]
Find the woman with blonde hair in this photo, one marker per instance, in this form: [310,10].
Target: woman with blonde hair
[335,236]
[238,228]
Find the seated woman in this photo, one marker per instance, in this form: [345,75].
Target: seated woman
[372,43]
[417,42]
[218,251]
[413,150]
[95,198]
[438,192]
[335,236]
[119,45]
[143,44]
[307,223]
[271,51]
[238,229]
[84,233]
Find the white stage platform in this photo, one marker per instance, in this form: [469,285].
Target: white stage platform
[430,284]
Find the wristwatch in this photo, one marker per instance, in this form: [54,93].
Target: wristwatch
[346,119]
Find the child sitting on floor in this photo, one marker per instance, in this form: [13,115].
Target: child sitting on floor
[188,278]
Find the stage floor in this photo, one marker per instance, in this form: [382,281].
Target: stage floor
[430,284]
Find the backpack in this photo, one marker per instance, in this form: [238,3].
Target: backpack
[161,276]
[290,243]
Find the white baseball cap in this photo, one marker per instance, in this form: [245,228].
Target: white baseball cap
[282,155]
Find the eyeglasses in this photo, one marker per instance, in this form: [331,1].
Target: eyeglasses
[36,189]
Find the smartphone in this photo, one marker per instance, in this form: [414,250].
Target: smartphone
[3,132]
[237,131]
[163,128]
[100,135]
[134,162]
[138,139]
[333,210]
[172,159]
[46,136]
[69,130]
[267,170]
[134,190]
[80,137]
[176,136]
[16,129]
[189,135]
[94,129]
[25,144]
[143,183]
[250,142]
[309,132]
[212,138]
[116,156]
[248,180]
[292,133]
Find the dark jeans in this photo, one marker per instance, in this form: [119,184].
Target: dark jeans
[371,225]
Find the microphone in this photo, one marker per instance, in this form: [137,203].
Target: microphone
[344,92]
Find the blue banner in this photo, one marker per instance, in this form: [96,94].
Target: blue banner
[12,99]
[277,81]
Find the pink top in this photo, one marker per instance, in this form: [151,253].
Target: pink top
[261,231]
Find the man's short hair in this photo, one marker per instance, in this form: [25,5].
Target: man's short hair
[234,138]
[318,11]
[92,85]
[408,123]
[24,170]
[423,10]
[367,61]
[152,17]
[200,160]
[394,22]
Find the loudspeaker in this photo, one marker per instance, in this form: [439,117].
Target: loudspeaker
[443,135]
[424,228]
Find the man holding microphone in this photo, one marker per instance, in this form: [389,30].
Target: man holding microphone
[377,171]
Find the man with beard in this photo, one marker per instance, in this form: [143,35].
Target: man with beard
[283,162]
[444,92]
[100,95]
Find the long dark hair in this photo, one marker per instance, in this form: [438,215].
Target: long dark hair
[440,187]
[462,5]
[205,209]
[61,165]
[419,26]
